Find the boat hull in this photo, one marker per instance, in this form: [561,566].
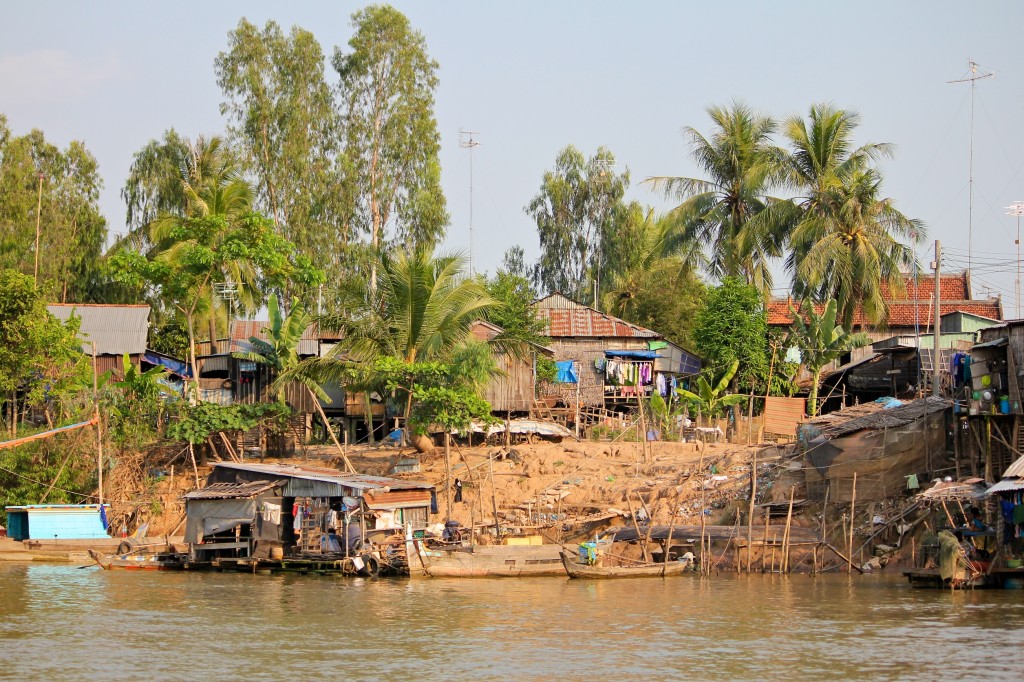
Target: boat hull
[151,562]
[578,570]
[493,561]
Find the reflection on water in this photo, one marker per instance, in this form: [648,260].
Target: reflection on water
[61,622]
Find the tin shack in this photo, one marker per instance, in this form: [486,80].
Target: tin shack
[278,510]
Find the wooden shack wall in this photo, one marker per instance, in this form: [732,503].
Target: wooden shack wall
[881,459]
[512,392]
[586,351]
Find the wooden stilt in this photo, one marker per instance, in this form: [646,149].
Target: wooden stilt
[853,501]
[750,510]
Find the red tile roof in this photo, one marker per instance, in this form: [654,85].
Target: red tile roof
[914,303]
[901,313]
[567,318]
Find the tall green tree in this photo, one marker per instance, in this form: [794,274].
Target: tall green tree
[821,341]
[41,359]
[732,326]
[513,311]
[578,211]
[197,251]
[391,143]
[284,122]
[846,240]
[420,312]
[654,282]
[724,214]
[58,190]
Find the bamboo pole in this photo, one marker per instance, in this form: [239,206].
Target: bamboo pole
[447,476]
[785,534]
[99,422]
[764,538]
[494,500]
[636,527]
[849,551]
[700,471]
[750,510]
[330,431]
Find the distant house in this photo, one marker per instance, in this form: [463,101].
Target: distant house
[910,313]
[616,361]
[117,330]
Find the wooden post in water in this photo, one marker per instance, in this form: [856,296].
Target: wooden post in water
[785,534]
[704,566]
[764,540]
[849,546]
[750,510]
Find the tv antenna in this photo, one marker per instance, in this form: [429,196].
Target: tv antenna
[972,76]
[1016,209]
[466,141]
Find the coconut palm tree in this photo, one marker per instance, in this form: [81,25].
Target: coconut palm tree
[845,239]
[281,353]
[654,254]
[420,311]
[725,213]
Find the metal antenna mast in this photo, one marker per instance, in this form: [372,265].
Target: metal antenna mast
[1017,209]
[466,141]
[972,79]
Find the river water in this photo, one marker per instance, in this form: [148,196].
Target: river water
[62,622]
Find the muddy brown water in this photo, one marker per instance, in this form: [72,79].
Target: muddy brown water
[59,622]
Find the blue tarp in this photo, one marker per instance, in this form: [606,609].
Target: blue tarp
[172,365]
[566,372]
[641,354]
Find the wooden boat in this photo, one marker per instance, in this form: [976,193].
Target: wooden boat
[578,569]
[485,561]
[140,562]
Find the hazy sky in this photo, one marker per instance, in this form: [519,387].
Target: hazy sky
[532,77]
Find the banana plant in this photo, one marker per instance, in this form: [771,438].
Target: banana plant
[709,400]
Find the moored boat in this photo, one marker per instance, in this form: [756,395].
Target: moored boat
[601,571]
[484,561]
[164,561]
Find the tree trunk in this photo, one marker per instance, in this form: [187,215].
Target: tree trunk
[812,398]
[192,357]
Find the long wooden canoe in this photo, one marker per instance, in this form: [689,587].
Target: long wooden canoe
[576,569]
[491,561]
[139,562]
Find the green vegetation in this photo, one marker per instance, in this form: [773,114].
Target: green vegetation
[821,341]
[323,194]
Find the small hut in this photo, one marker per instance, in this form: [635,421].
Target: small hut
[883,443]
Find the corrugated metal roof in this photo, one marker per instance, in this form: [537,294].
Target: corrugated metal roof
[220,491]
[1015,470]
[567,318]
[1006,485]
[311,473]
[116,329]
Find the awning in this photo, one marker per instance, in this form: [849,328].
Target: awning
[172,365]
[1006,485]
[639,354]
[990,344]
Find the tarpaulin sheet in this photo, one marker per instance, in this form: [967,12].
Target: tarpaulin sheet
[206,517]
